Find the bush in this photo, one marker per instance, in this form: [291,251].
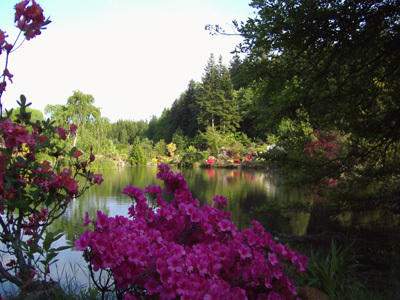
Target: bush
[183,250]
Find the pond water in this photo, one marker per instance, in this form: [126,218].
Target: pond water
[247,193]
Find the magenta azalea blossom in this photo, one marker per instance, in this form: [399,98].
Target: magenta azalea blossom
[181,250]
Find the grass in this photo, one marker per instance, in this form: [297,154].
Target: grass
[342,276]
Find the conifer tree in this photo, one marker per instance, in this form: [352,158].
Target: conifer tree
[217,107]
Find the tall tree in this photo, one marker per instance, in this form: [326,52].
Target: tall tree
[209,104]
[79,110]
[236,70]
[229,114]
[190,110]
[217,104]
[334,64]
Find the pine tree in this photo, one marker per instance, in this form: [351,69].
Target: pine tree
[217,106]
[229,114]
[208,101]
[190,110]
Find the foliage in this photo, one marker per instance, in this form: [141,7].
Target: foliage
[335,273]
[124,131]
[179,141]
[190,158]
[171,147]
[217,103]
[34,193]
[161,148]
[340,71]
[147,146]
[213,140]
[138,157]
[184,250]
[35,114]
[80,111]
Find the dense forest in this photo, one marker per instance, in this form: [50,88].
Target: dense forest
[317,83]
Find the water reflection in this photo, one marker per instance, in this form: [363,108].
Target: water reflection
[245,190]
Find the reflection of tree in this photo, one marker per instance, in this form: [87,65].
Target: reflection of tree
[298,221]
[103,198]
[377,219]
[244,190]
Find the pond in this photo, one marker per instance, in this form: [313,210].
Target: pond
[248,192]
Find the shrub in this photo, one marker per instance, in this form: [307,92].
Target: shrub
[181,249]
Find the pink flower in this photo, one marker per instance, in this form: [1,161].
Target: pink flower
[97,179]
[220,201]
[153,189]
[7,74]
[3,85]
[2,38]
[83,242]
[152,286]
[225,225]
[185,251]
[61,132]
[87,220]
[77,153]
[273,259]
[72,129]
[210,161]
[175,263]
[29,19]
[102,220]
[133,192]
[72,186]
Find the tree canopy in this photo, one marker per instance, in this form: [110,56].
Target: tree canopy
[334,65]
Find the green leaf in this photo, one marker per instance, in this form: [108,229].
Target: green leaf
[72,152]
[50,256]
[63,248]
[50,238]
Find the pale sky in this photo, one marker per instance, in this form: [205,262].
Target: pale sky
[134,56]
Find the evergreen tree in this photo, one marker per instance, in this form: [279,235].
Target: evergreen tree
[229,114]
[151,130]
[236,70]
[190,110]
[209,104]
[217,106]
[138,158]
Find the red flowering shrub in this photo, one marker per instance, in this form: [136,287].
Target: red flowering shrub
[326,145]
[210,161]
[33,193]
[187,251]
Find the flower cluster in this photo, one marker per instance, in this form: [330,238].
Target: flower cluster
[251,156]
[30,20]
[32,192]
[210,161]
[179,249]
[325,145]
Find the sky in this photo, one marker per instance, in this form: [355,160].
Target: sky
[135,57]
